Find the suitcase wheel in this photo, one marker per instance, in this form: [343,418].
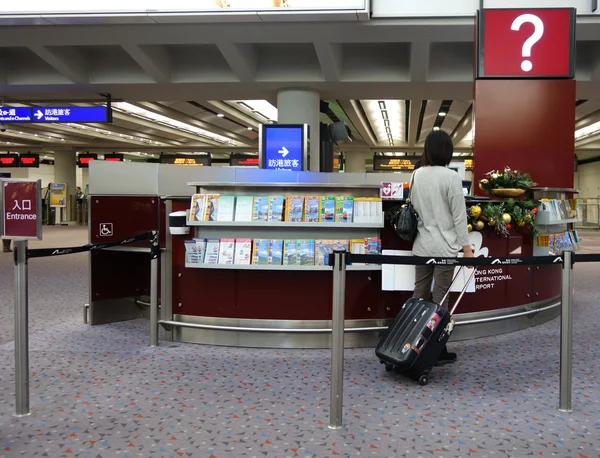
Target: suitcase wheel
[389,368]
[424,379]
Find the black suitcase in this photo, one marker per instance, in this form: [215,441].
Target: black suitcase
[414,341]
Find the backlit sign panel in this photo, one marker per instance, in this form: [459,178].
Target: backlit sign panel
[393,164]
[68,7]
[526,43]
[196,160]
[283,147]
[29,160]
[113,158]
[83,160]
[242,160]
[9,160]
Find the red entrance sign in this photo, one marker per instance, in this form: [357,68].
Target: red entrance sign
[526,43]
[21,205]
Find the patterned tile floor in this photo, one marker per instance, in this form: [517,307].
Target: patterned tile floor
[102,392]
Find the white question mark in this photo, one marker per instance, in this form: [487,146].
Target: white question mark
[526,65]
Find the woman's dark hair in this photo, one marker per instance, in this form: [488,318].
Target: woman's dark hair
[438,149]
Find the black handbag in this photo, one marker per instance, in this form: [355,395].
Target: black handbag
[405,219]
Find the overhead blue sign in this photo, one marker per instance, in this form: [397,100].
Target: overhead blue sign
[17,114]
[283,147]
[55,114]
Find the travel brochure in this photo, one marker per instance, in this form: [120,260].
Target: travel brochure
[315,209]
[244,251]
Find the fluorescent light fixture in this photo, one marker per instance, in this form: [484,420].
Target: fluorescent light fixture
[587,131]
[220,115]
[386,118]
[173,123]
[261,108]
[250,128]
[468,139]
[436,128]
[442,113]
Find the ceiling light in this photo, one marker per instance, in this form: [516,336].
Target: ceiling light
[382,105]
[260,107]
[169,122]
[250,128]
[436,128]
[220,115]
[442,113]
[587,131]
[388,121]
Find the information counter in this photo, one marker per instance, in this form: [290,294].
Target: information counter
[288,306]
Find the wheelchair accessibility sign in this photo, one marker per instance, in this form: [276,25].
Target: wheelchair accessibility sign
[106,229]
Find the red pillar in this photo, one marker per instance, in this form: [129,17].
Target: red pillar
[528,125]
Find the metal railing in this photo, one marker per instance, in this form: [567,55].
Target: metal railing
[339,259]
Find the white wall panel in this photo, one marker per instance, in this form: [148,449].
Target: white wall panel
[445,8]
[589,180]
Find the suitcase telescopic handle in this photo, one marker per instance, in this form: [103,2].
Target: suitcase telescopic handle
[464,290]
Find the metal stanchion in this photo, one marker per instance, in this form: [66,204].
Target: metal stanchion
[336,419]
[566,336]
[21,331]
[154,291]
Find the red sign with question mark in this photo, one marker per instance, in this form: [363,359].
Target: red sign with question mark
[526,43]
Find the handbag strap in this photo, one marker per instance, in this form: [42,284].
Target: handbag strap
[410,188]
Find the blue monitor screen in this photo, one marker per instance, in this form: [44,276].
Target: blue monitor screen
[283,148]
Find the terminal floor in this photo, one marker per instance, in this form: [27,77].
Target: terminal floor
[102,392]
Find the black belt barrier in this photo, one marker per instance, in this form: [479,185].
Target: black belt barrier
[152,236]
[489,261]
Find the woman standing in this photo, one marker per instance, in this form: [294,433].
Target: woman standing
[439,201]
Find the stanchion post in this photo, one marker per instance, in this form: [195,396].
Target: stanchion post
[336,419]
[154,289]
[21,331]
[566,335]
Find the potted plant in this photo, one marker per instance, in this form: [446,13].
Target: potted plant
[506,184]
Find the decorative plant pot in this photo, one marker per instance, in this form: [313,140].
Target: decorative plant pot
[506,193]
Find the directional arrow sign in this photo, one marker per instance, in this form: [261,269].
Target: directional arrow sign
[39,115]
[275,155]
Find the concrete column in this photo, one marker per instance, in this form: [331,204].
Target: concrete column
[302,106]
[65,171]
[355,161]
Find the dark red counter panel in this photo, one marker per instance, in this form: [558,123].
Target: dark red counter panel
[126,215]
[276,295]
[118,274]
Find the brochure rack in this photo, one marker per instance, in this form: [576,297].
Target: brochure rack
[279,306]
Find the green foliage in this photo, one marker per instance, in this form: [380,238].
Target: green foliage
[507,179]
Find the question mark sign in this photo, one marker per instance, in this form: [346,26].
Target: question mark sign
[526,65]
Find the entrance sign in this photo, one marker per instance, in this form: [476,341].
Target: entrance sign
[22,210]
[526,43]
[283,147]
[55,114]
[58,195]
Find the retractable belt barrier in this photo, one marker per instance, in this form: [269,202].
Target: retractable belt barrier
[467,262]
[339,259]
[152,236]
[22,254]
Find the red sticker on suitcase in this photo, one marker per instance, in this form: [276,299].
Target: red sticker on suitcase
[434,321]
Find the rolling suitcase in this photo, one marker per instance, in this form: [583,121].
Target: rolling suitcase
[414,341]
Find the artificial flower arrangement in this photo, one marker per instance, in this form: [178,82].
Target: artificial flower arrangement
[508,183]
[504,216]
